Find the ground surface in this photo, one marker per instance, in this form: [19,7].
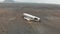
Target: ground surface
[11,21]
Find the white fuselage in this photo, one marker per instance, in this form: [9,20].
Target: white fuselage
[30,17]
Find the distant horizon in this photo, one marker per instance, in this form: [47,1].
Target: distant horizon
[35,1]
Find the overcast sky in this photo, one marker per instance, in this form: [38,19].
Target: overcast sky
[38,1]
